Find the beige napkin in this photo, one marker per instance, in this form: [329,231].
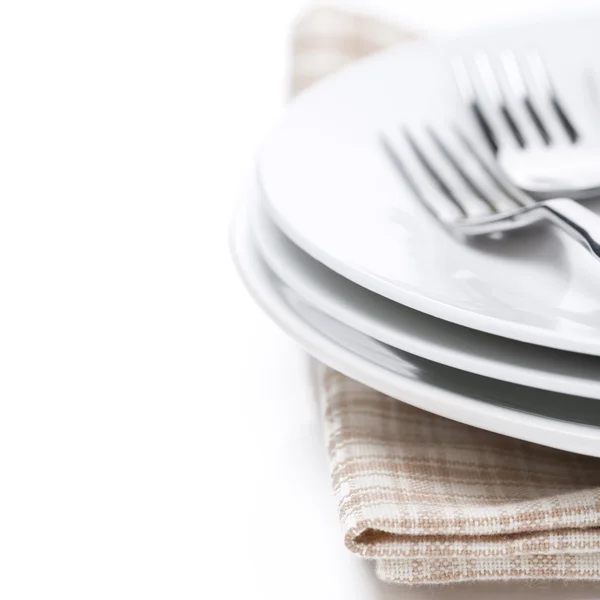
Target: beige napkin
[429,499]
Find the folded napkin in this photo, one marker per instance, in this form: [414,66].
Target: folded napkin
[429,499]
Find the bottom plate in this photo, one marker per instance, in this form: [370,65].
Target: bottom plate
[565,422]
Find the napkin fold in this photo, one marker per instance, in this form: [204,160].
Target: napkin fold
[433,501]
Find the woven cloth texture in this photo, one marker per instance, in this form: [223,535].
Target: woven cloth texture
[433,501]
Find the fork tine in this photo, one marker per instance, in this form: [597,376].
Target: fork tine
[517,197]
[540,73]
[490,83]
[445,211]
[448,182]
[402,169]
[462,173]
[467,91]
[436,178]
[516,81]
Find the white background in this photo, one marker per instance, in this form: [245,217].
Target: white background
[158,437]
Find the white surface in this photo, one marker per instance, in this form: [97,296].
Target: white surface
[330,188]
[157,435]
[415,332]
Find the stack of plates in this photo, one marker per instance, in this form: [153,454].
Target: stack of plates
[334,246]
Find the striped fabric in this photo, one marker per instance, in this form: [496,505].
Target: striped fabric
[428,499]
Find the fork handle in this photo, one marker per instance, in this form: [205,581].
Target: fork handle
[575,219]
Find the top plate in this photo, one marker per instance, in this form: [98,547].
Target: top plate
[330,188]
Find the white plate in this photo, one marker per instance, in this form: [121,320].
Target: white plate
[334,193]
[416,332]
[565,422]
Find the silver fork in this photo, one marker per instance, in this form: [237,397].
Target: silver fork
[537,144]
[465,193]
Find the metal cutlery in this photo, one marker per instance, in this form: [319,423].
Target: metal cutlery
[534,139]
[465,193]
